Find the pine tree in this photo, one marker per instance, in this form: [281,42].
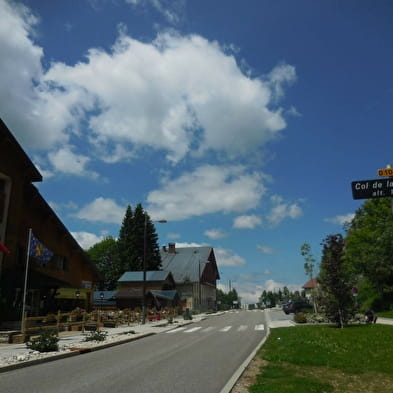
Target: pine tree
[335,281]
[125,242]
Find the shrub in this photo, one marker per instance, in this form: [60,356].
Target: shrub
[47,341]
[97,335]
[300,317]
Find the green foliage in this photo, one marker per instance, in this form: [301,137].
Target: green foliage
[309,264]
[47,341]
[369,248]
[226,299]
[335,281]
[97,335]
[105,255]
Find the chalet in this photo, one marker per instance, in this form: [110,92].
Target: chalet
[309,286]
[63,280]
[195,272]
[160,289]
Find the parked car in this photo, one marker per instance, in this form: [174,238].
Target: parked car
[296,306]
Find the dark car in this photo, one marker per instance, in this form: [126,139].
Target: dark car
[296,306]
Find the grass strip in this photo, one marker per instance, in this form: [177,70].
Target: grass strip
[317,359]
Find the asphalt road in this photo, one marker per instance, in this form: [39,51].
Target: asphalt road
[200,357]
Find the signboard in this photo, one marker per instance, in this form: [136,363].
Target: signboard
[365,189]
[385,172]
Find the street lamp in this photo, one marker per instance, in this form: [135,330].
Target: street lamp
[144,268]
[77,294]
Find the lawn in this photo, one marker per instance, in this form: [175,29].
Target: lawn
[385,314]
[316,359]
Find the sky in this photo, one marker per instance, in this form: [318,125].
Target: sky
[241,123]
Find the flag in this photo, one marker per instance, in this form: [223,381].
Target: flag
[4,249]
[38,250]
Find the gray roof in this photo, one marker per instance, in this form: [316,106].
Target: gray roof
[167,295]
[186,262]
[154,275]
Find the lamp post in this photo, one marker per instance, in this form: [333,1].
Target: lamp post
[144,268]
[77,294]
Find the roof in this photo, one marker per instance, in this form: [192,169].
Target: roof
[108,295]
[152,275]
[136,293]
[167,295]
[311,284]
[186,262]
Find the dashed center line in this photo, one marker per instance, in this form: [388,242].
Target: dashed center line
[225,329]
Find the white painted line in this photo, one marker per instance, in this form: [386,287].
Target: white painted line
[242,328]
[225,329]
[208,329]
[194,329]
[259,327]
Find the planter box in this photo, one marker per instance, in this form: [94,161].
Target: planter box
[76,328]
[111,324]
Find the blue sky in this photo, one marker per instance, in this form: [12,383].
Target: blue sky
[242,123]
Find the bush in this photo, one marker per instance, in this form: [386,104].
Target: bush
[45,342]
[97,335]
[300,317]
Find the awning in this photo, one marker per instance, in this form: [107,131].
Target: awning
[167,295]
[70,293]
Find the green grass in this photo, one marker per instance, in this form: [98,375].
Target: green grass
[385,314]
[317,359]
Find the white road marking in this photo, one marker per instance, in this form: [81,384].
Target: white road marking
[225,329]
[208,329]
[259,327]
[194,329]
[242,328]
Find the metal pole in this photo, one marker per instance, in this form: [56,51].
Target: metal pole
[25,286]
[199,283]
[144,274]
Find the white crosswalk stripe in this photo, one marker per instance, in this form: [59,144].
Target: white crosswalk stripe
[241,328]
[194,329]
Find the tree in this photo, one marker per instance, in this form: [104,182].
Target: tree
[335,281]
[305,250]
[105,255]
[126,241]
[369,249]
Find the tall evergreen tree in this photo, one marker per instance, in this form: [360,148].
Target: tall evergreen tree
[126,241]
[335,281]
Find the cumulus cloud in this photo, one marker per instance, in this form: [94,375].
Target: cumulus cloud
[226,257]
[215,233]
[64,160]
[265,249]
[178,94]
[246,222]
[86,239]
[283,210]
[341,219]
[102,210]
[209,189]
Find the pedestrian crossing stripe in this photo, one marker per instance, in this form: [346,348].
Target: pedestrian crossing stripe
[241,328]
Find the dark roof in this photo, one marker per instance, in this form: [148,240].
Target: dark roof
[108,295]
[136,293]
[10,142]
[186,262]
[137,276]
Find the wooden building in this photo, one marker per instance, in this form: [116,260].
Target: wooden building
[68,271]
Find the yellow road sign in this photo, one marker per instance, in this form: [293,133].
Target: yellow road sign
[385,172]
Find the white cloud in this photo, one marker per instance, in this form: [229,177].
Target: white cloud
[209,104]
[265,249]
[86,239]
[209,189]
[226,257]
[283,210]
[246,222]
[341,219]
[64,160]
[173,236]
[102,210]
[215,233]
[192,244]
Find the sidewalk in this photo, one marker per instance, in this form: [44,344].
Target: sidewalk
[73,343]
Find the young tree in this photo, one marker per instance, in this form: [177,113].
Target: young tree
[335,281]
[369,248]
[309,265]
[106,258]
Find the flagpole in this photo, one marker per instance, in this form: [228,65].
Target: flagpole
[25,286]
